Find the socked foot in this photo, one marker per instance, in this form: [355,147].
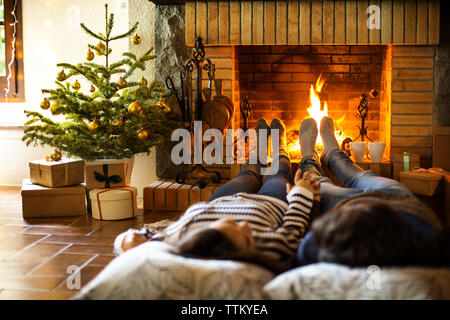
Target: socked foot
[262,124]
[327,134]
[277,124]
[260,147]
[308,136]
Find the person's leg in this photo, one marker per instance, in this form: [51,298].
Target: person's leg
[348,173]
[330,193]
[249,179]
[275,184]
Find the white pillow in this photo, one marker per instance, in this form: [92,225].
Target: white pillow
[150,271]
[332,281]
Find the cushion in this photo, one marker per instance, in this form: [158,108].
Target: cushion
[150,271]
[332,281]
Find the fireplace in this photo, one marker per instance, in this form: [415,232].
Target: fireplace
[277,81]
[272,51]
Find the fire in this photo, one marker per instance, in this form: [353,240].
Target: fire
[317,112]
[314,109]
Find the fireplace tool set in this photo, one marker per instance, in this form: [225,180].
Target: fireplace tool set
[192,70]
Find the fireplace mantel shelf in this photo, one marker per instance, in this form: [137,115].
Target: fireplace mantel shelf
[304,22]
[173,2]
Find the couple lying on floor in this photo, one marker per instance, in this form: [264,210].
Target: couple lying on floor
[370,220]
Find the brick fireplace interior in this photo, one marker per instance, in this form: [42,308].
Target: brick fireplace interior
[277,82]
[271,52]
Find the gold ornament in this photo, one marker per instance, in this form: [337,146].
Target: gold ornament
[135,107]
[100,46]
[163,105]
[93,126]
[143,81]
[54,107]
[92,89]
[118,122]
[56,155]
[90,55]
[136,39]
[142,134]
[76,85]
[45,104]
[122,83]
[61,76]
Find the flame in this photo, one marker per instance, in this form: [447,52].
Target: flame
[316,112]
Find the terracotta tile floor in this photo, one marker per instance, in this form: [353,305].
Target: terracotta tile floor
[35,253]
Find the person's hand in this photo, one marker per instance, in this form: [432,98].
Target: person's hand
[307,181]
[133,240]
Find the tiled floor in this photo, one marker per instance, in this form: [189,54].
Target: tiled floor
[35,253]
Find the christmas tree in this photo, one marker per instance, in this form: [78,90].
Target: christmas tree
[116,119]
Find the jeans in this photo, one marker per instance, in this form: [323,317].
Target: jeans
[354,180]
[250,180]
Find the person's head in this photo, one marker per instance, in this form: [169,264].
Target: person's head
[363,233]
[225,239]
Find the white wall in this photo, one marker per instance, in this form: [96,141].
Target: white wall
[143,11]
[52,34]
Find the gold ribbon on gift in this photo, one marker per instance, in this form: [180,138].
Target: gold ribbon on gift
[115,188]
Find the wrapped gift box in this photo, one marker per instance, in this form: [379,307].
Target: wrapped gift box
[114,203]
[39,201]
[422,183]
[104,174]
[55,174]
[398,162]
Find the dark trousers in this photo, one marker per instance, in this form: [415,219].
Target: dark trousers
[250,180]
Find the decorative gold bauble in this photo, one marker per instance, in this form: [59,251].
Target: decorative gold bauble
[143,81]
[100,46]
[163,105]
[54,107]
[142,134]
[122,83]
[90,55]
[76,85]
[92,89]
[61,76]
[117,122]
[135,107]
[45,104]
[56,155]
[93,126]
[136,39]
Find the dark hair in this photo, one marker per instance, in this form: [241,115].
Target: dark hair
[206,243]
[209,243]
[434,251]
[362,234]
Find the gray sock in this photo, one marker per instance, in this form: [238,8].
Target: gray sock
[307,137]
[260,124]
[279,125]
[327,134]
